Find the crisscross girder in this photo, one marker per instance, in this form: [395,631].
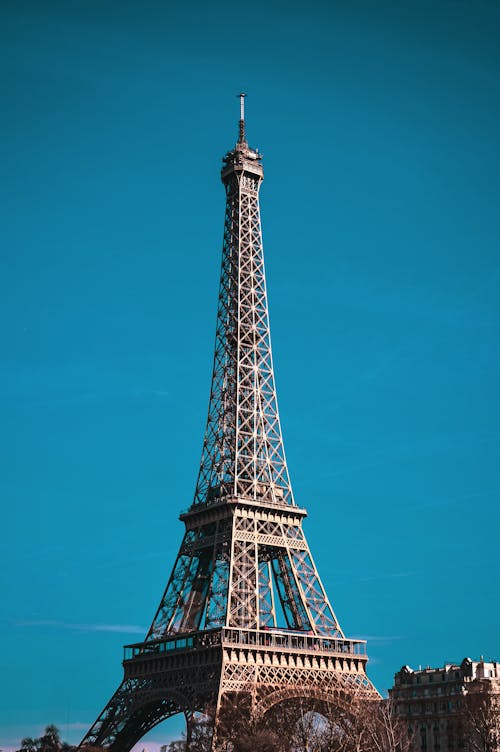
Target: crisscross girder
[243,453]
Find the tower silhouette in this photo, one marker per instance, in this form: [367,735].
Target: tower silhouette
[244,609]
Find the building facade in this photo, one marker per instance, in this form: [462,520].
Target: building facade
[435,703]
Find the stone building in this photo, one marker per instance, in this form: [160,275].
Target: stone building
[433,702]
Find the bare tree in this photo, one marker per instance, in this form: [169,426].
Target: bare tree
[239,729]
[308,725]
[177,746]
[301,725]
[481,719]
[198,737]
[385,730]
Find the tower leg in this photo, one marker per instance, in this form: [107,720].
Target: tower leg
[136,707]
[189,728]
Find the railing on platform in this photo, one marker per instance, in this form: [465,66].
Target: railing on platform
[226,498]
[292,640]
[263,638]
[173,643]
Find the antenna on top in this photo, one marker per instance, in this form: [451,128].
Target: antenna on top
[242,118]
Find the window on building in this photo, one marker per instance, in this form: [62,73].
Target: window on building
[423,738]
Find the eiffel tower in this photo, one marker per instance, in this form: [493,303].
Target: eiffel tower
[244,609]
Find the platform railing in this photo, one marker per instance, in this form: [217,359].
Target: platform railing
[293,640]
[273,639]
[177,642]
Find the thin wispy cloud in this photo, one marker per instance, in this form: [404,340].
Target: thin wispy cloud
[82,627]
[75,726]
[380,639]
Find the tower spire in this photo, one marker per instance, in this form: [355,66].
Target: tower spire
[243,452]
[242,137]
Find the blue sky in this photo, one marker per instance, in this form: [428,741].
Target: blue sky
[379,128]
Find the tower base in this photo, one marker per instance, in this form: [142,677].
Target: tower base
[191,672]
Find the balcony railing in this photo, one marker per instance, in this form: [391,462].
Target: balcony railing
[270,639]
[292,640]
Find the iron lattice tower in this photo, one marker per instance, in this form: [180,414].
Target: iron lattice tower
[244,608]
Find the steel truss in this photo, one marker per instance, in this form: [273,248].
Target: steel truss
[244,609]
